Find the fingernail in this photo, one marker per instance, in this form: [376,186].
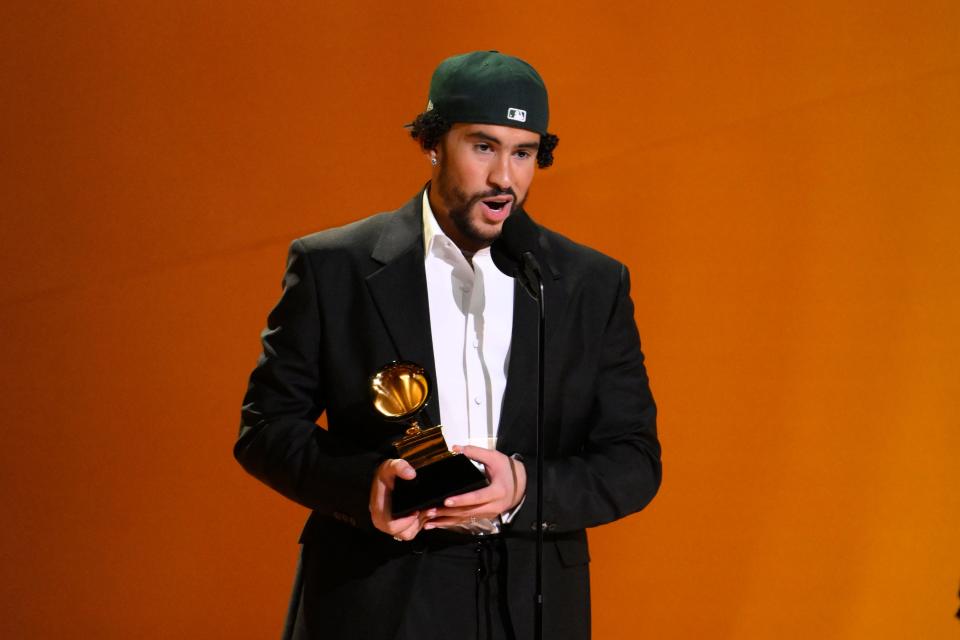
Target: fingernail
[449,502]
[428,527]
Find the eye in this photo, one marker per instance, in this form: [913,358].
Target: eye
[482,147]
[523,155]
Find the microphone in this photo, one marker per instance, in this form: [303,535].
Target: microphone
[513,254]
[513,251]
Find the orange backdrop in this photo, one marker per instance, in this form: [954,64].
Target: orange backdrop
[783,181]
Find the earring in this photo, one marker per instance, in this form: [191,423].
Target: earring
[433,160]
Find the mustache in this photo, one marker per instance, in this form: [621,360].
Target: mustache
[493,193]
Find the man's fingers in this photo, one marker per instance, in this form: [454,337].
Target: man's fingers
[398,526]
[396,468]
[481,455]
[405,470]
[409,532]
[464,513]
[400,468]
[480,496]
[380,500]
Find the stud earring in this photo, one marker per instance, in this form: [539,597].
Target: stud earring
[433,160]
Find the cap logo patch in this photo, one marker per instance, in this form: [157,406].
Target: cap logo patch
[516,114]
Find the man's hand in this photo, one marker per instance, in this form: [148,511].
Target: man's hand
[402,529]
[508,484]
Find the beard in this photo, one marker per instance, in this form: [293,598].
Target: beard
[460,205]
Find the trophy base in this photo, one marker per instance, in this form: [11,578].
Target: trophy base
[435,482]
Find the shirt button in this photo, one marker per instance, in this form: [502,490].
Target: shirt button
[476,400]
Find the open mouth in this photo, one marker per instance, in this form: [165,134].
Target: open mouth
[494,207]
[498,204]
[495,210]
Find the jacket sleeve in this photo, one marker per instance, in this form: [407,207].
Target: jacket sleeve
[618,469]
[280,442]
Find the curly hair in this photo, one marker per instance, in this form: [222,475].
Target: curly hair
[428,128]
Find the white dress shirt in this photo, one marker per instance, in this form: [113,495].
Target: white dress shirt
[471,320]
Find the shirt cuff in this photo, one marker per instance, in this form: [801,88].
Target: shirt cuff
[506,517]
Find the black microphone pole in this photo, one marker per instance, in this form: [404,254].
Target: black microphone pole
[513,254]
[532,280]
[538,616]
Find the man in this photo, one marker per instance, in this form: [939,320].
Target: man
[418,285]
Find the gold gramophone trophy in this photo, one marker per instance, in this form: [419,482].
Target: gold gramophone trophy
[399,392]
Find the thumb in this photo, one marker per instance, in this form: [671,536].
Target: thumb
[481,455]
[403,469]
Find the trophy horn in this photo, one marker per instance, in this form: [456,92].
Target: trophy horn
[399,391]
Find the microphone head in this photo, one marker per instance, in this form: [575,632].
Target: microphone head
[518,235]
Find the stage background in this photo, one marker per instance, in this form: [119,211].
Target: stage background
[783,180]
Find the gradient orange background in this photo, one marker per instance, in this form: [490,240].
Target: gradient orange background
[783,180]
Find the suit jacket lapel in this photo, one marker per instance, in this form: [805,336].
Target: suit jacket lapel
[399,289]
[517,412]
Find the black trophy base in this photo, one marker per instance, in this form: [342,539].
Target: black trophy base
[434,482]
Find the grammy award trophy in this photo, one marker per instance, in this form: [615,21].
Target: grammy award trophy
[399,392]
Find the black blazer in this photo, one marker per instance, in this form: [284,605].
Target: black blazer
[355,298]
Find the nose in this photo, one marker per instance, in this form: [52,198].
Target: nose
[501,175]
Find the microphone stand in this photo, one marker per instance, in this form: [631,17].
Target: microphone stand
[530,274]
[513,254]
[538,621]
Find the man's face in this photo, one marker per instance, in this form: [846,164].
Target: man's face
[483,173]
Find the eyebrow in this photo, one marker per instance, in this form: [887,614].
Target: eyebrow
[480,135]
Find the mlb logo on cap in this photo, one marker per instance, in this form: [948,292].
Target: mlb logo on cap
[516,114]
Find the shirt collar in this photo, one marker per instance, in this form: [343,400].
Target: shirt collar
[431,228]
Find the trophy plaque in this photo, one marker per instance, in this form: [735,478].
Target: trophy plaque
[399,392]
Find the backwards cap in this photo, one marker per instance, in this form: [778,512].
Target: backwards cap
[489,87]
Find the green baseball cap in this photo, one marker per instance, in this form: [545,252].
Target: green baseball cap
[489,87]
